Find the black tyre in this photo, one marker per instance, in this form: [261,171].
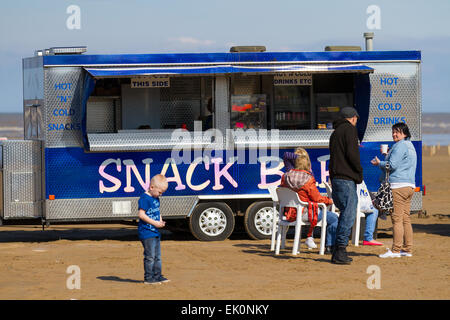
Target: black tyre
[258,220]
[211,221]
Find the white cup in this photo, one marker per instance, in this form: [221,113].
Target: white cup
[384,148]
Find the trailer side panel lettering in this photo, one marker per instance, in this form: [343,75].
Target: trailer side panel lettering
[63,112]
[63,126]
[388,120]
[389,106]
[63,86]
[388,81]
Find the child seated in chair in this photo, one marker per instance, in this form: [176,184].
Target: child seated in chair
[290,157]
[301,180]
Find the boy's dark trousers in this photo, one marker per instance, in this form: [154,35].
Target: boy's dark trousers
[152,259]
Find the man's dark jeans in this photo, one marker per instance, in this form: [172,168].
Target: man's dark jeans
[152,259]
[346,200]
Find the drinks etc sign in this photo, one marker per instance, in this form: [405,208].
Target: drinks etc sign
[292,79]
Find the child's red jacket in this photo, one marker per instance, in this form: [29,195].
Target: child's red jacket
[304,184]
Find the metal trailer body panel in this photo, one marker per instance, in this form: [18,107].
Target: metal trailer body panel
[21,179]
[396,96]
[70,164]
[114,208]
[62,116]
[127,174]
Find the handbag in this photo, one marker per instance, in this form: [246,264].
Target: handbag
[383,200]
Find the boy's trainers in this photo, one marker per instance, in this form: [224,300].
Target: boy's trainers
[390,254]
[310,243]
[405,254]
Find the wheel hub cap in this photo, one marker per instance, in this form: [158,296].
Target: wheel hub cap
[213,221]
[264,221]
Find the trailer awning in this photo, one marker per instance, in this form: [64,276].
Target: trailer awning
[225,69]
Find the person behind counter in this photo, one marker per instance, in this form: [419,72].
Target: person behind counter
[208,120]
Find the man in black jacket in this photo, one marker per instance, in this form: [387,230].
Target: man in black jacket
[345,173]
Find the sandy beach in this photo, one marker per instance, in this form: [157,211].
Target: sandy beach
[34,263]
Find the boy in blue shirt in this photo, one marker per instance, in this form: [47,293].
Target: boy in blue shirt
[149,222]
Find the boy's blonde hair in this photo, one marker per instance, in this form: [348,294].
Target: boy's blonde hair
[302,162]
[159,181]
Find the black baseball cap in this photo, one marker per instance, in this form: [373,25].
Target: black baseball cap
[349,112]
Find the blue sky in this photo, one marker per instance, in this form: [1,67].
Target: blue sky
[138,26]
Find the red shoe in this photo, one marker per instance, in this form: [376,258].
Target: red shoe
[372,243]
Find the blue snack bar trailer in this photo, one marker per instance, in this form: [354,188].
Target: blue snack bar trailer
[98,127]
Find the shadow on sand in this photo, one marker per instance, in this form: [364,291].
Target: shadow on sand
[440,229]
[70,234]
[95,232]
[437,229]
[118,279]
[285,254]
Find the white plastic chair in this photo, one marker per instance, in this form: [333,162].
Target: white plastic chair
[289,198]
[274,196]
[359,215]
[357,225]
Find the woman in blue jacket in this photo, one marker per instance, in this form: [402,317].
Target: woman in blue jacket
[401,161]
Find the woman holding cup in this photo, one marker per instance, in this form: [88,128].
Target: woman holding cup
[384,149]
[401,160]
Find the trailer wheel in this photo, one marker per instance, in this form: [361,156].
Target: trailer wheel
[211,221]
[258,220]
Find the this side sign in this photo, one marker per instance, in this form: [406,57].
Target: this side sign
[150,82]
